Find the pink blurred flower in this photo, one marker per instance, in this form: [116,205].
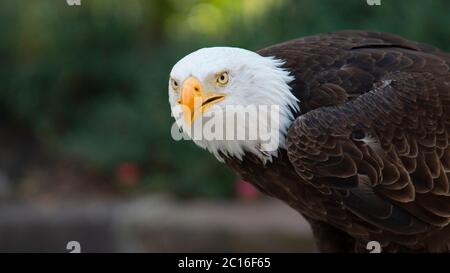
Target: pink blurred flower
[128,173]
[246,191]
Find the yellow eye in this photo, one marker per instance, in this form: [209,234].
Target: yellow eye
[222,79]
[174,84]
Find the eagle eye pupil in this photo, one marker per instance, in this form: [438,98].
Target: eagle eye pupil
[222,79]
[174,84]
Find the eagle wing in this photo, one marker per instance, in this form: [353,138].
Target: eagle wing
[384,154]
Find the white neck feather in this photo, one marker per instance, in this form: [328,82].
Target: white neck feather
[273,92]
[255,81]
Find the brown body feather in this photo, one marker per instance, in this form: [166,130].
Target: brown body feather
[368,156]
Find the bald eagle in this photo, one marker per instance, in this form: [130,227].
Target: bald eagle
[362,128]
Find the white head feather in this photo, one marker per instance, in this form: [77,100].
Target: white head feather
[254,80]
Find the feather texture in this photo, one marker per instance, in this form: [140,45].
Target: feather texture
[368,155]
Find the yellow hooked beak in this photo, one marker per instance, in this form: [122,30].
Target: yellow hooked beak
[194,101]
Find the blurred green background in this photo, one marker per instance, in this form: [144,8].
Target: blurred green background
[83,89]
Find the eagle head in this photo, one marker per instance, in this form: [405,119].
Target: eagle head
[232,101]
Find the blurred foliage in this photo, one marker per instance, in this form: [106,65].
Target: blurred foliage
[90,82]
